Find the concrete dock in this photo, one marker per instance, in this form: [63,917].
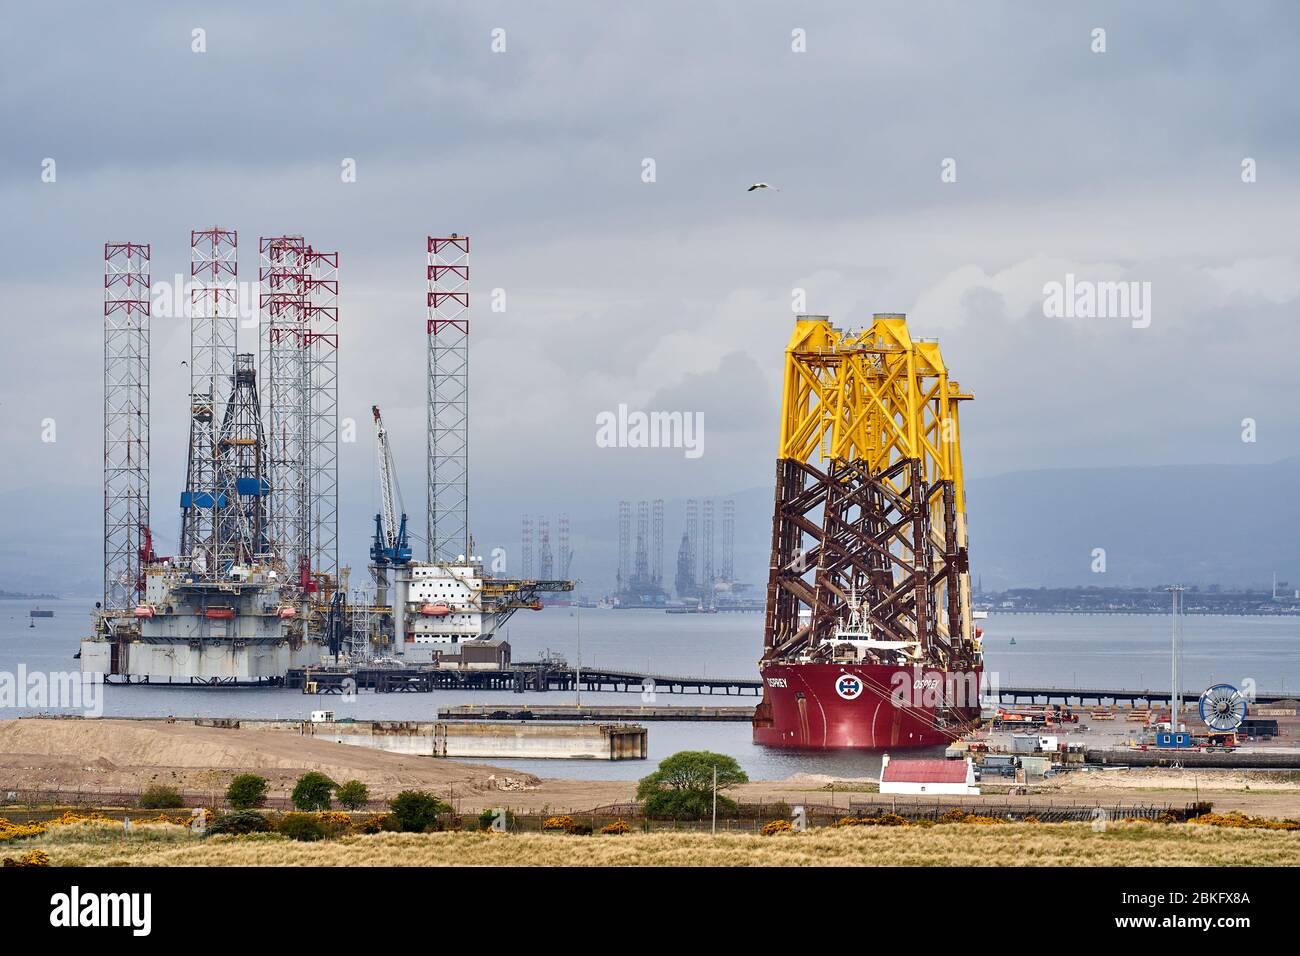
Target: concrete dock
[496,739]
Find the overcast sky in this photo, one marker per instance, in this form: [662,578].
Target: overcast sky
[674,294]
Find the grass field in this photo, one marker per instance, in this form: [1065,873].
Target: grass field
[1069,844]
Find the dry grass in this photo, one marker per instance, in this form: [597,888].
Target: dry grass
[1070,844]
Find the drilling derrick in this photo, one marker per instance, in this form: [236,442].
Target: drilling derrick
[448,399]
[642,572]
[214,318]
[545,559]
[241,530]
[869,571]
[126,422]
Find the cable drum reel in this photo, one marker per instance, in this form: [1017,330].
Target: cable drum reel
[1223,708]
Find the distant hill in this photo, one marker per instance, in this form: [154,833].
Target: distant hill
[1234,525]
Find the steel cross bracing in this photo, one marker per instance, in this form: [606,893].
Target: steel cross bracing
[565,556]
[883,509]
[126,421]
[706,553]
[286,339]
[526,545]
[693,540]
[624,545]
[214,318]
[447,470]
[321,292]
[657,543]
[728,570]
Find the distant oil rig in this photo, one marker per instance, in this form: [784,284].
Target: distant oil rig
[255,588]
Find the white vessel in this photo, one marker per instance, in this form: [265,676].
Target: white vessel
[439,607]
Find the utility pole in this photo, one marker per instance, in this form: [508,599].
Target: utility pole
[1175,691]
[577,673]
[715,799]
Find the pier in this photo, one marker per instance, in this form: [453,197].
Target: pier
[1100,696]
[543,676]
[537,677]
[596,712]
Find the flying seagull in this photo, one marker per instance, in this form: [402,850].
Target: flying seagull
[762,186]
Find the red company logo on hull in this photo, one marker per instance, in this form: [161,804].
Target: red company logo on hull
[849,687]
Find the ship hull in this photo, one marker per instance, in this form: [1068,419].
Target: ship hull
[814,706]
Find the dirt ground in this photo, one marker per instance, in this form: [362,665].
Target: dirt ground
[125,756]
[129,755]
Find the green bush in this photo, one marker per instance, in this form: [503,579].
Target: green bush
[686,805]
[302,826]
[682,787]
[312,792]
[353,795]
[161,797]
[239,822]
[415,811]
[246,791]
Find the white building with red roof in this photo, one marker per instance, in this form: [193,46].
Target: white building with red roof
[928,776]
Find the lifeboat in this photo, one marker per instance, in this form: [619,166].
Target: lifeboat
[143,610]
[435,610]
[286,611]
[535,606]
[220,613]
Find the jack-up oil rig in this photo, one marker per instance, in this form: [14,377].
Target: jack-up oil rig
[868,641]
[256,588]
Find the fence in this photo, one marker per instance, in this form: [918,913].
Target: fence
[747,818]
[1044,813]
[85,797]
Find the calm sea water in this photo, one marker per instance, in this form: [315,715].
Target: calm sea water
[1056,650]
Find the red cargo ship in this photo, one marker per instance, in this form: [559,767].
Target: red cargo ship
[868,641]
[813,706]
[873,693]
